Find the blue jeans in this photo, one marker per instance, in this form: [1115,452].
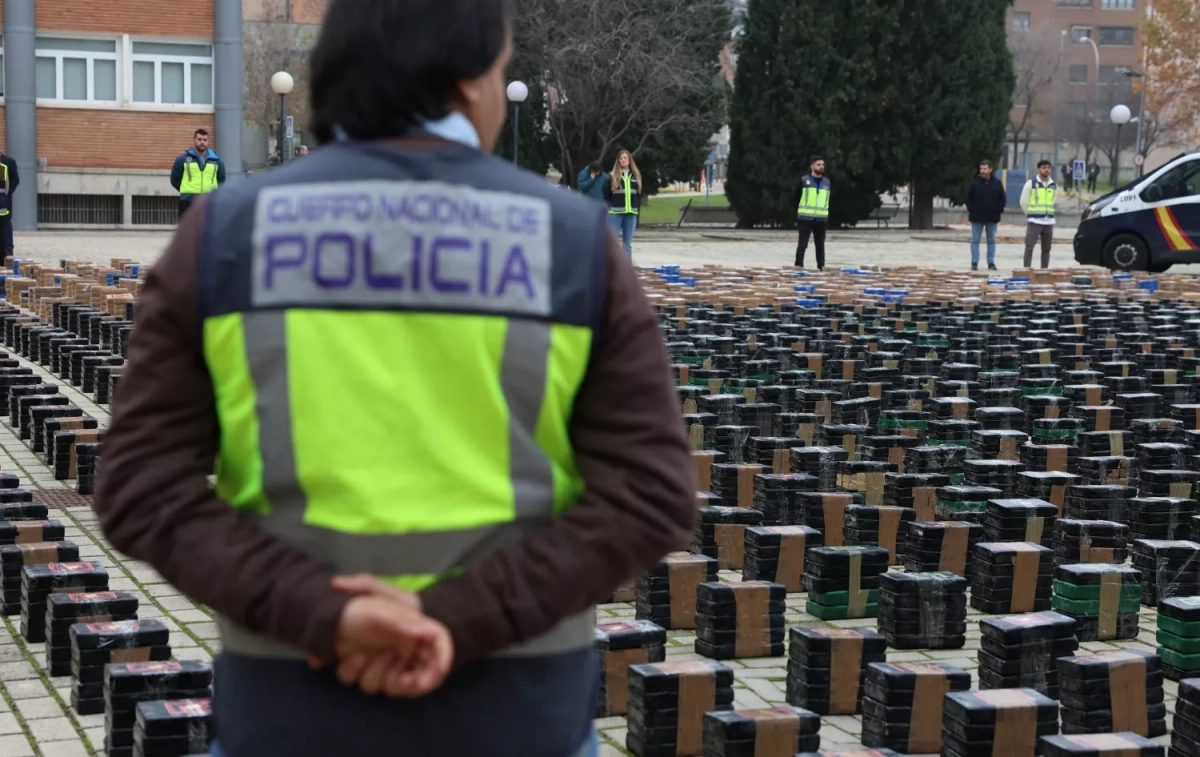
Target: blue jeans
[624,224]
[590,749]
[976,233]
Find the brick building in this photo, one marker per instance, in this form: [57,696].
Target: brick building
[1087,47]
[102,97]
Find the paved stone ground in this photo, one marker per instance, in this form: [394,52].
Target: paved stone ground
[35,715]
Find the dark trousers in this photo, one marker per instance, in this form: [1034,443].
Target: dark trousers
[6,236]
[1092,184]
[1034,233]
[185,202]
[816,230]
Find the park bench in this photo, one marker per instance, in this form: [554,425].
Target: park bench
[883,214]
[710,214]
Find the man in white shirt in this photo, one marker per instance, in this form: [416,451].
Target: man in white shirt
[1037,200]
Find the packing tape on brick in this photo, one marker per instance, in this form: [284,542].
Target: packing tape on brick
[1008,448]
[1058,497]
[789,571]
[781,461]
[731,545]
[925,503]
[1025,575]
[856,602]
[776,732]
[1016,722]
[1116,443]
[1127,692]
[697,695]
[833,507]
[805,433]
[745,484]
[616,677]
[1110,603]
[1103,418]
[849,443]
[753,637]
[1056,458]
[925,723]
[1033,529]
[845,667]
[684,574]
[704,463]
[953,557]
[889,526]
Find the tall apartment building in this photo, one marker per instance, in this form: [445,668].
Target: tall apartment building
[1090,45]
[98,98]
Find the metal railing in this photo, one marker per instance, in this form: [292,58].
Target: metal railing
[80,210]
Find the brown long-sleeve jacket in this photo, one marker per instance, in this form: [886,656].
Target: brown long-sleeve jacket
[155,502]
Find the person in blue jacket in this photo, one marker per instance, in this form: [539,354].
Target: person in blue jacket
[198,171]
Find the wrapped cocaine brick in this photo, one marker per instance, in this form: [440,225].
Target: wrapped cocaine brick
[872,526]
[780,731]
[1020,650]
[1179,639]
[966,503]
[734,484]
[865,478]
[820,462]
[1100,418]
[917,491]
[1147,430]
[775,497]
[30,531]
[923,610]
[618,646]
[1161,456]
[902,704]
[1125,744]
[843,582]
[998,444]
[721,534]
[1090,541]
[944,459]
[128,684]
[172,727]
[826,512]
[941,546]
[1104,443]
[730,440]
[666,594]
[1008,577]
[1050,486]
[1160,517]
[1112,692]
[777,553]
[826,666]
[1023,520]
[1103,599]
[1169,569]
[1055,430]
[1005,721]
[95,645]
[740,619]
[64,610]
[667,704]
[1098,501]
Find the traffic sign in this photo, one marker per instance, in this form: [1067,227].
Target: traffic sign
[1079,171]
[1139,159]
[289,131]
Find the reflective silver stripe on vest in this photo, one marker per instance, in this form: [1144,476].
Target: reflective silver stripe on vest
[522,380]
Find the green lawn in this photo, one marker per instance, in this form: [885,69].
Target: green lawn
[665,208]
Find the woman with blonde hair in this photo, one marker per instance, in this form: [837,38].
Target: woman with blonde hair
[623,193]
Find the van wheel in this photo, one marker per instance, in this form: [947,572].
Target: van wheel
[1126,252]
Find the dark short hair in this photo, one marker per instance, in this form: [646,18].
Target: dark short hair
[381,67]
[594,166]
[986,162]
[200,133]
[1043,163]
[814,159]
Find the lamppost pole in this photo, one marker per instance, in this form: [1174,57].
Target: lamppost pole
[517,93]
[281,84]
[1120,116]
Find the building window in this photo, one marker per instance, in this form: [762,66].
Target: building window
[1113,74]
[81,70]
[1080,34]
[1079,73]
[172,74]
[1074,3]
[1021,21]
[1117,5]
[1115,36]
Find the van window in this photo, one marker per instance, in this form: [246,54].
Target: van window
[1181,181]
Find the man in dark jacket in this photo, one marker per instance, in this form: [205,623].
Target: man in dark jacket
[985,204]
[592,179]
[10,179]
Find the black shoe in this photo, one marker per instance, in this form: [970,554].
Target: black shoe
[992,268]
[974,266]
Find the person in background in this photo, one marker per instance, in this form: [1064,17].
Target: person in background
[438,443]
[1068,181]
[11,179]
[623,192]
[1093,173]
[592,179]
[1037,200]
[812,212]
[196,172]
[986,200]
[301,151]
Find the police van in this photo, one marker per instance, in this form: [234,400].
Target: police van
[1149,224]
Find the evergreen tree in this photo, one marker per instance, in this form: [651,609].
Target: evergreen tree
[958,96]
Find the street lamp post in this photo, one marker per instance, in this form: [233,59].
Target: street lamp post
[1141,112]
[282,84]
[517,94]
[1120,116]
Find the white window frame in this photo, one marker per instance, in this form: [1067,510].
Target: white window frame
[58,101]
[1027,16]
[1118,5]
[158,60]
[3,80]
[1132,36]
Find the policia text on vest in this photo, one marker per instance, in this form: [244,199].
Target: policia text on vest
[196,172]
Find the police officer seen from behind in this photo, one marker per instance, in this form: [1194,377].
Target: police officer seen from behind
[198,171]
[441,411]
[1037,200]
[10,179]
[812,214]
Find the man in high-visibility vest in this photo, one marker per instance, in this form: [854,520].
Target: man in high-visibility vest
[812,213]
[441,410]
[1037,200]
[10,180]
[196,172]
